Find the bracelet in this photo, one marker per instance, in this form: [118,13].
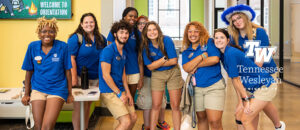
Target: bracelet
[119,94]
[247,99]
[203,56]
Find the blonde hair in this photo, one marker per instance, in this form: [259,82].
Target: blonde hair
[203,34]
[250,27]
[145,39]
[42,22]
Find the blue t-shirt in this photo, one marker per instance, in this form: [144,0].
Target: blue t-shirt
[111,55]
[132,65]
[237,64]
[87,56]
[147,72]
[48,70]
[205,76]
[156,54]
[262,36]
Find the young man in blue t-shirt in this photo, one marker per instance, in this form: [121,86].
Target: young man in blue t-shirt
[113,86]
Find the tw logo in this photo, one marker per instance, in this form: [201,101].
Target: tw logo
[261,52]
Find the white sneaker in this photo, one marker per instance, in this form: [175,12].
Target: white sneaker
[282,126]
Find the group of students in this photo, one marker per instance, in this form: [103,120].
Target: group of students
[137,56]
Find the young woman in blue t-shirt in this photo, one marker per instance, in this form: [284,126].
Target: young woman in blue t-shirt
[48,76]
[85,54]
[201,57]
[255,87]
[241,28]
[159,55]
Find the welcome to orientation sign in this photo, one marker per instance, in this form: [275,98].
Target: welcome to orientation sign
[32,9]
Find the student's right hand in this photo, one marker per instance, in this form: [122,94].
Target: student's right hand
[74,81]
[25,100]
[124,98]
[239,108]
[205,53]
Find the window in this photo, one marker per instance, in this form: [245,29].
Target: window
[220,5]
[171,15]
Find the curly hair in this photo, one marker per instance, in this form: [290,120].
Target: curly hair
[42,22]
[203,34]
[122,24]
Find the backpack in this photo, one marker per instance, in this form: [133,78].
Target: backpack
[80,39]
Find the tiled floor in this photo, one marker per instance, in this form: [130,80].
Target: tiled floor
[292,72]
[287,102]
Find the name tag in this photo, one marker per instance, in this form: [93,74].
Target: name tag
[118,58]
[191,55]
[38,59]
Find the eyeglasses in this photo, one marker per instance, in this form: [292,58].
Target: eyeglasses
[49,31]
[237,18]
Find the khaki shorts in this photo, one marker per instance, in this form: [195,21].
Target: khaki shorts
[212,97]
[37,95]
[133,78]
[93,83]
[275,75]
[115,105]
[265,93]
[172,78]
[144,100]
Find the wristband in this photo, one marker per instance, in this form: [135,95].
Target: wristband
[119,94]
[203,56]
[247,99]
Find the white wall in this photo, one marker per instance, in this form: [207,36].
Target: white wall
[295,32]
[111,10]
[119,6]
[106,16]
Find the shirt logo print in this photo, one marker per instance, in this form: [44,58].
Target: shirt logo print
[153,54]
[204,48]
[132,37]
[55,58]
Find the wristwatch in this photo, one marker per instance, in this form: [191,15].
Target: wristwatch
[246,99]
[165,58]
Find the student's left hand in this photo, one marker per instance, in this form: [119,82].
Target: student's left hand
[70,99]
[247,107]
[140,84]
[130,99]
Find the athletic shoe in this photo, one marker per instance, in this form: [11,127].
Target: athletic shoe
[163,125]
[145,128]
[282,127]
